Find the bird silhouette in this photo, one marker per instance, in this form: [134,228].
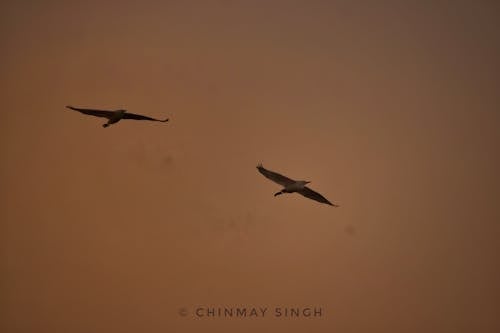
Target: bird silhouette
[291,186]
[113,116]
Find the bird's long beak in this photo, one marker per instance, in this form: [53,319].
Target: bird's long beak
[307,182]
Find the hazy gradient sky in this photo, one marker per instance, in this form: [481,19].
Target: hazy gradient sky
[390,108]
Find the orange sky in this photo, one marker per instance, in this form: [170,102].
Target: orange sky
[390,109]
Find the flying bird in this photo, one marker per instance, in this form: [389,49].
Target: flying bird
[290,186]
[113,116]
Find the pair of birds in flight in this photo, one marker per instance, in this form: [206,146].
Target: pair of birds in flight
[289,185]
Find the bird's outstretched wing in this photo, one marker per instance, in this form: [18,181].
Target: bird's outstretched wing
[274,176]
[140,117]
[308,193]
[93,112]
